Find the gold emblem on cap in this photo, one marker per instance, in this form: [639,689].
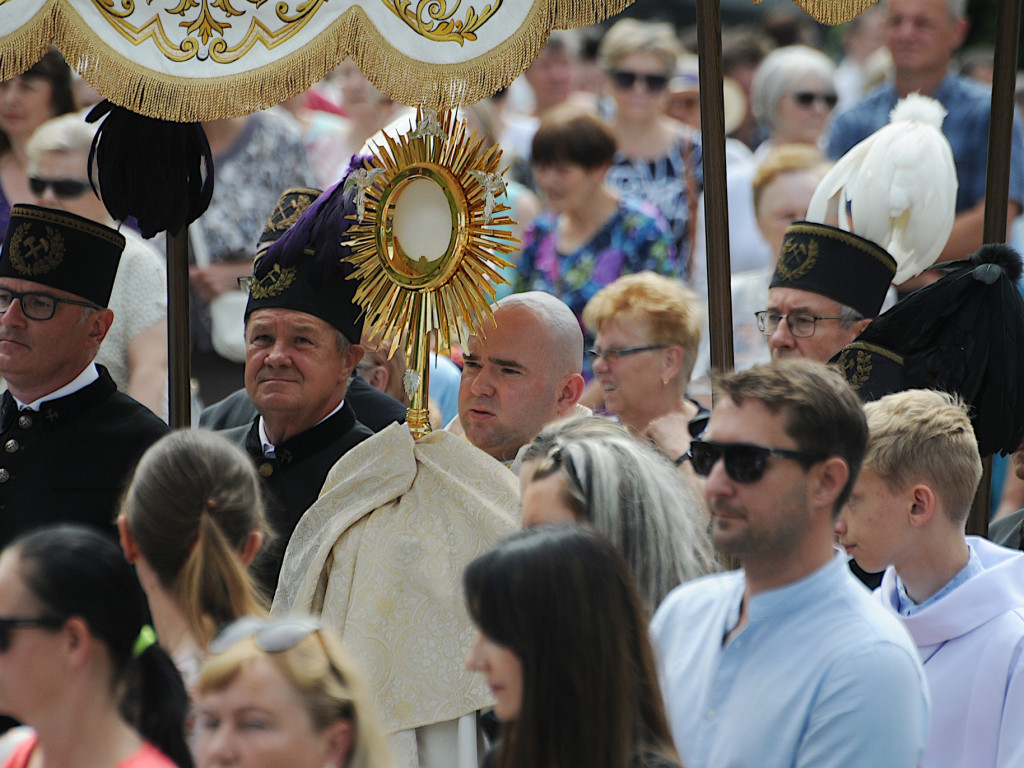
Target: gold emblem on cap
[32,254]
[274,283]
[797,259]
[856,370]
[288,211]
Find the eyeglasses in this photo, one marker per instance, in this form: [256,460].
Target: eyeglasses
[63,189]
[611,355]
[271,635]
[807,98]
[744,463]
[38,306]
[800,325]
[625,80]
[7,624]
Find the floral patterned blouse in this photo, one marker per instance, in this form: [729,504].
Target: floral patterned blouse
[633,239]
[673,182]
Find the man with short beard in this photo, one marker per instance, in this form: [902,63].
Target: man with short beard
[787,661]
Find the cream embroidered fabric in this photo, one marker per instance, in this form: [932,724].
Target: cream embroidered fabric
[208,59]
[380,555]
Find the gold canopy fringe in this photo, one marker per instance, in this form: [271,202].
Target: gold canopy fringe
[832,12]
[404,79]
[23,48]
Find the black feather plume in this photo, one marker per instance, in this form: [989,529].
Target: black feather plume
[963,334]
[1002,256]
[157,171]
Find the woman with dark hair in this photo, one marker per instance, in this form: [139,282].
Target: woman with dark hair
[78,662]
[589,235]
[27,101]
[562,639]
[191,522]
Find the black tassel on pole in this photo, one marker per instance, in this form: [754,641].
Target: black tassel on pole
[157,171]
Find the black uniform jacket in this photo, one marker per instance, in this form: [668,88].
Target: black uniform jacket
[70,461]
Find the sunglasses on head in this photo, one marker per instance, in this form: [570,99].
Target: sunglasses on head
[10,623]
[807,98]
[626,80]
[271,635]
[63,189]
[744,462]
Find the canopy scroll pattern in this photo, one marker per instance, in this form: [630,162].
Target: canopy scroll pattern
[188,60]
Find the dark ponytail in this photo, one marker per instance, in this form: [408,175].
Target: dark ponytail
[160,703]
[76,571]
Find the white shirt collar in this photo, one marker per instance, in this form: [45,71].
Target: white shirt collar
[81,381]
[269,451]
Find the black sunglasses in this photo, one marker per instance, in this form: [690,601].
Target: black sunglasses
[271,635]
[744,462]
[807,98]
[7,624]
[63,189]
[625,80]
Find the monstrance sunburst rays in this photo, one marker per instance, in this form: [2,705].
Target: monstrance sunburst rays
[430,192]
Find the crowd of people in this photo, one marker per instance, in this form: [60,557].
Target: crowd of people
[589,560]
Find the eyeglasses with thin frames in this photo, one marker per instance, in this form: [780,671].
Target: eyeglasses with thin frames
[63,189]
[744,462]
[801,325]
[9,623]
[37,306]
[611,355]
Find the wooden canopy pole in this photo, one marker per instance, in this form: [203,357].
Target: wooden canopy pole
[179,371]
[997,184]
[716,208]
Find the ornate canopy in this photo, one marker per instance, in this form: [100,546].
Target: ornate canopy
[188,60]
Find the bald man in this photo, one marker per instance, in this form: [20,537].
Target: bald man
[520,374]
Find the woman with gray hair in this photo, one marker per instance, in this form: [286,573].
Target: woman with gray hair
[589,470]
[793,95]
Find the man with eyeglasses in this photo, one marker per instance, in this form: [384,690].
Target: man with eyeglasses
[827,286]
[70,439]
[787,661]
[922,36]
[135,350]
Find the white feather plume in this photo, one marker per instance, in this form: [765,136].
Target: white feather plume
[896,188]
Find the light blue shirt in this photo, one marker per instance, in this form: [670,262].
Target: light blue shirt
[820,676]
[966,127]
[445,379]
[907,607]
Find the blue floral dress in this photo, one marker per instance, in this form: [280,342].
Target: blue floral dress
[633,239]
